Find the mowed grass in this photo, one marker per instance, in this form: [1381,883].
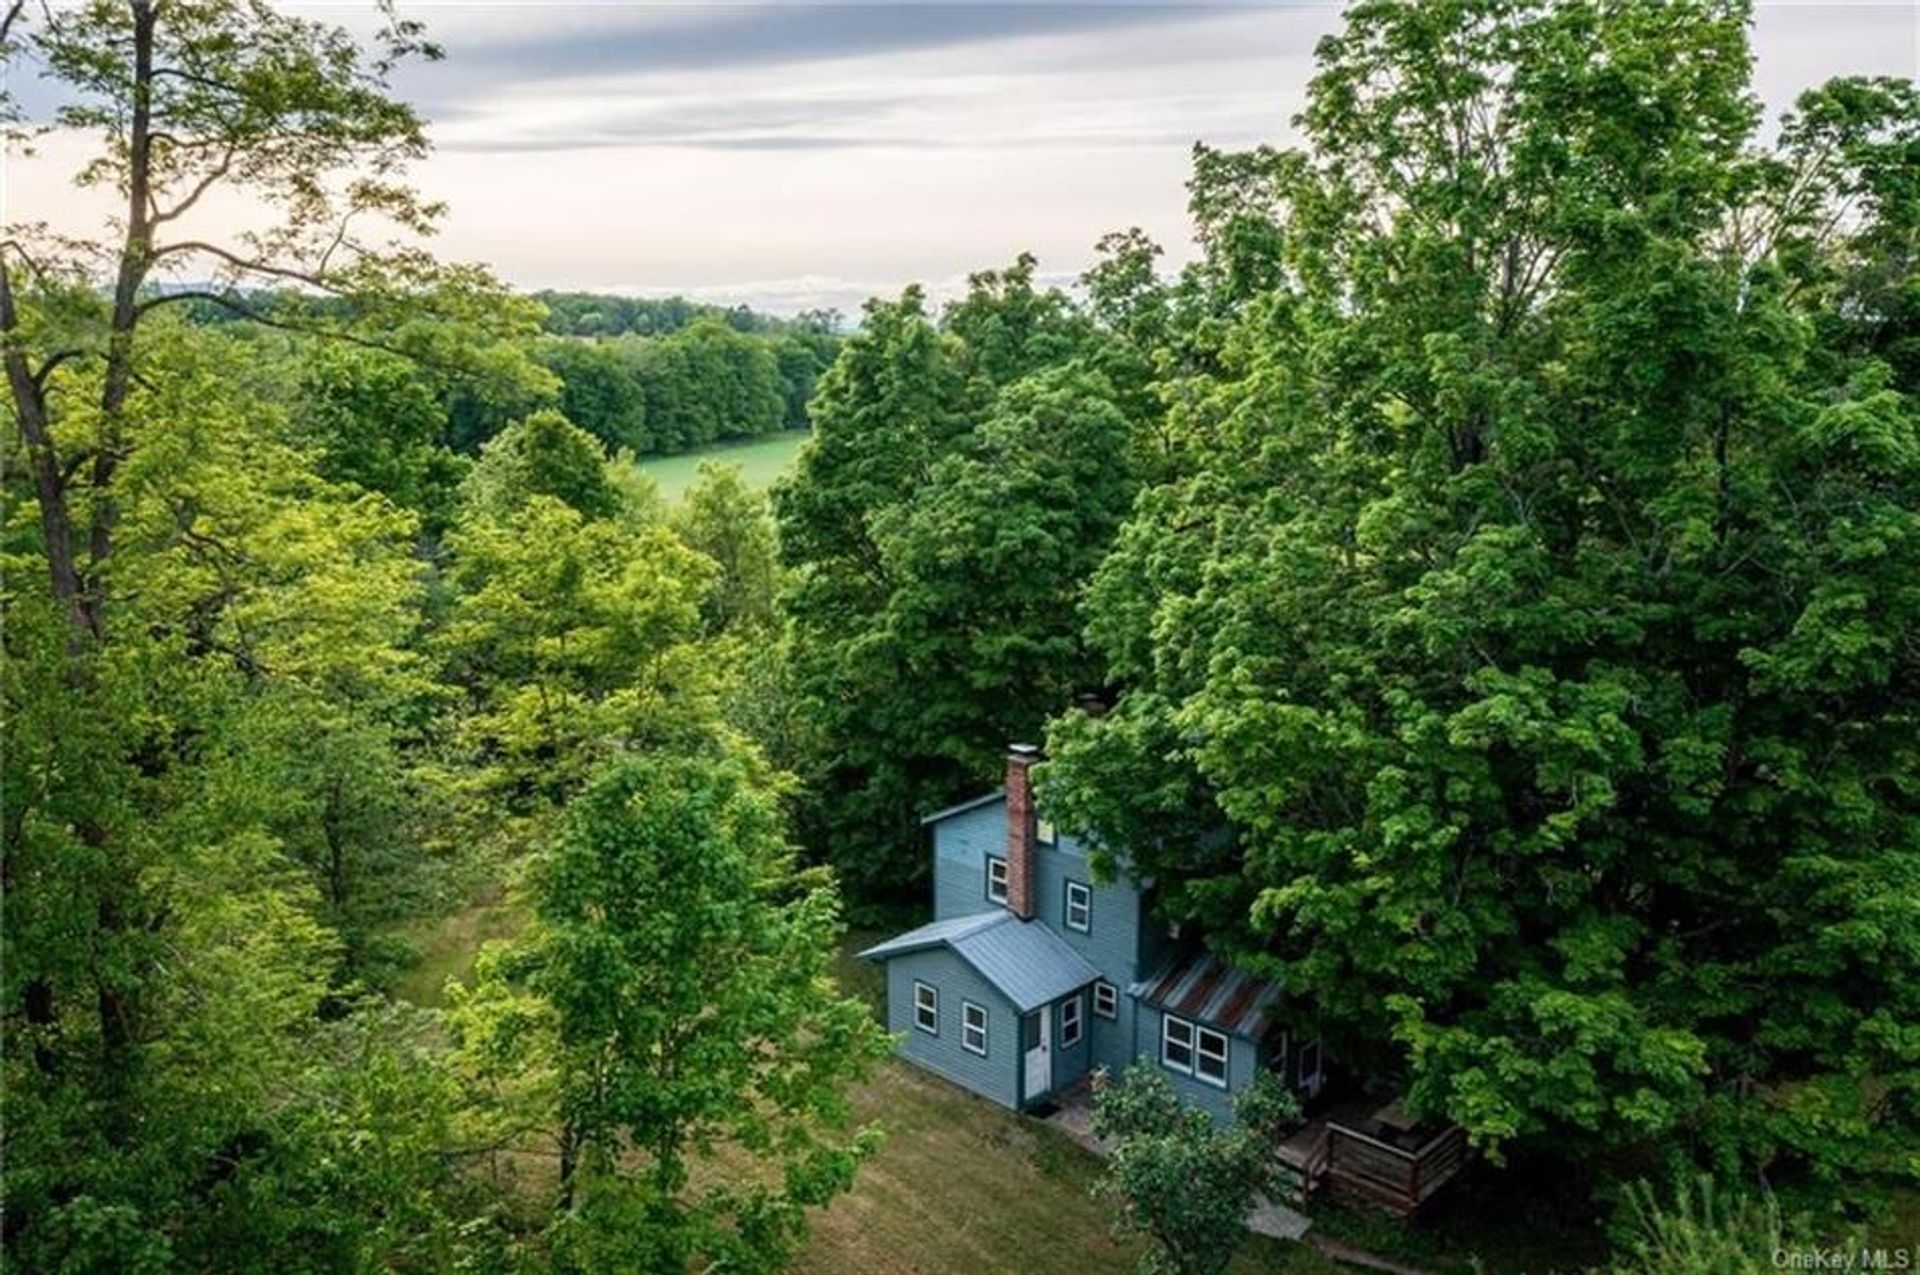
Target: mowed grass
[761,460]
[960,1186]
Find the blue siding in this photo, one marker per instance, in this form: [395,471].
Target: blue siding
[1070,1062]
[1243,1064]
[1124,943]
[1112,944]
[997,1076]
[961,844]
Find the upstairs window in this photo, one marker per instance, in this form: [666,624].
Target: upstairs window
[1079,906]
[1043,832]
[1210,1057]
[1176,1045]
[1070,1022]
[926,1008]
[996,879]
[973,1028]
[1106,1000]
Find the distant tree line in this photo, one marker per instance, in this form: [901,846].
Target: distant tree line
[598,314]
[700,384]
[648,376]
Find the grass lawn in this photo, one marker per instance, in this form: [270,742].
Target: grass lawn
[761,460]
[963,1187]
[447,946]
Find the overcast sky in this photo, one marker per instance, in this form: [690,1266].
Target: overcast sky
[803,154]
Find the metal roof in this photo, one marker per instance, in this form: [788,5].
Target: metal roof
[996,795]
[1024,960]
[1206,988]
[935,934]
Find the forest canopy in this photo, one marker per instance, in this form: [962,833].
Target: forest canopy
[1478,588]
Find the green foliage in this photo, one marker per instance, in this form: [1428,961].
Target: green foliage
[1525,593]
[1177,1178]
[731,523]
[598,392]
[575,637]
[962,484]
[378,425]
[1706,1228]
[544,455]
[680,975]
[707,383]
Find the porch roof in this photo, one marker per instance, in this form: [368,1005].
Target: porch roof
[1025,961]
[1205,988]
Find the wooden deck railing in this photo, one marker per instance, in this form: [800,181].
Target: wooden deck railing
[1381,1173]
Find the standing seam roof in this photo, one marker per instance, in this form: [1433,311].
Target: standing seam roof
[1024,960]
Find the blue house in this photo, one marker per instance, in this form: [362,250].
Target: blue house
[1032,974]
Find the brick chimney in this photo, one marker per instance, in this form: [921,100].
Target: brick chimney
[1022,872]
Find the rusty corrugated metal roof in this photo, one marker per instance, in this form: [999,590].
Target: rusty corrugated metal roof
[1205,988]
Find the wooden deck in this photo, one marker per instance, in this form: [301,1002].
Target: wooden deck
[1351,1153]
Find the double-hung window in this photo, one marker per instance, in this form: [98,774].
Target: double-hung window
[1193,1050]
[926,1008]
[1070,1022]
[973,1028]
[1106,1000]
[1210,1056]
[996,879]
[1176,1045]
[1079,906]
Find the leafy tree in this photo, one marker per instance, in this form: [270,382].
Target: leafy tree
[731,523]
[202,633]
[378,424]
[801,357]
[574,636]
[167,814]
[598,392]
[942,527]
[1179,1179]
[681,976]
[988,561]
[543,455]
[1526,600]
[1008,328]
[706,383]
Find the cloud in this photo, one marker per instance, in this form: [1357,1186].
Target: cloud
[697,38]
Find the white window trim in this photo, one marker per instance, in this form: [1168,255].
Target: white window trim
[1077,1021]
[1109,993]
[967,1027]
[1201,1037]
[995,861]
[1167,1023]
[1086,907]
[1044,832]
[931,1002]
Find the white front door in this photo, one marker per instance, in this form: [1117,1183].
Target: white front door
[1038,1030]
